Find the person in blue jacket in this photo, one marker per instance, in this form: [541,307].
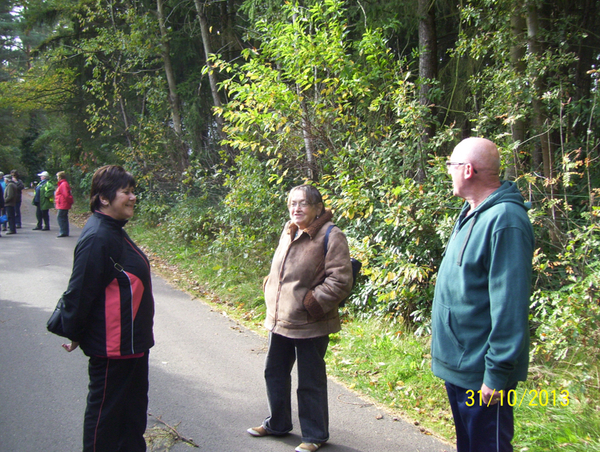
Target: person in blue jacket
[2,210]
[480,331]
[108,312]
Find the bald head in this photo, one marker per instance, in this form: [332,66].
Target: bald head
[481,153]
[475,170]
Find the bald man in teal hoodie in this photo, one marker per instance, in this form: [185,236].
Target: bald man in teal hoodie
[480,331]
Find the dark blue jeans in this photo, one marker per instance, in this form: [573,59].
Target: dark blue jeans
[62,218]
[313,410]
[480,428]
[10,214]
[18,214]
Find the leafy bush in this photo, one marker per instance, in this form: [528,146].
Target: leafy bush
[565,311]
[193,221]
[567,319]
[397,228]
[252,213]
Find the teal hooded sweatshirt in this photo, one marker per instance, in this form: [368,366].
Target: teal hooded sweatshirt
[480,331]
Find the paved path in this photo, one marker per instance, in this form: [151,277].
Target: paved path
[205,370]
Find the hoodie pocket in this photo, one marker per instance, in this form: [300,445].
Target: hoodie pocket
[445,346]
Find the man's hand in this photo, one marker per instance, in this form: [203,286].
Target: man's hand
[488,394]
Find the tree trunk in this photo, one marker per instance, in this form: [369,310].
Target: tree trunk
[517,52]
[308,138]
[587,54]
[166,54]
[539,118]
[428,69]
[540,121]
[125,121]
[204,30]
[182,155]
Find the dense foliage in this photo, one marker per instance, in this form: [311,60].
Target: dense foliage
[219,107]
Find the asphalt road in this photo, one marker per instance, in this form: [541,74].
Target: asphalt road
[205,370]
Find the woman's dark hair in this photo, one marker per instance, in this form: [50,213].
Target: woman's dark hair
[313,196]
[106,182]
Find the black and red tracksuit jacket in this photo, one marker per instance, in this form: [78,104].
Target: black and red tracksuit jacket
[108,308]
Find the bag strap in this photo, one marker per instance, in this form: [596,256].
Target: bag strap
[116,264]
[326,241]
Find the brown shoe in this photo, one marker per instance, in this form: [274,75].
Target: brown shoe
[258,431]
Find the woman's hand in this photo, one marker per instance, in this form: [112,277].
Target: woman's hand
[70,347]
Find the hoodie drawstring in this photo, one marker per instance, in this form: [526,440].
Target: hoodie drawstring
[462,250]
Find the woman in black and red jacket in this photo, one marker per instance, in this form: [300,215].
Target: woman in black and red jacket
[108,312]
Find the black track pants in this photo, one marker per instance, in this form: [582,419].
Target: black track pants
[117,404]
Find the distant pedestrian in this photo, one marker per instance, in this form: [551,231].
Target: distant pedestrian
[302,292]
[20,186]
[10,199]
[109,311]
[2,204]
[480,331]
[2,186]
[43,201]
[63,200]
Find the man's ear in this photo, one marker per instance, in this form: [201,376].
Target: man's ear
[469,171]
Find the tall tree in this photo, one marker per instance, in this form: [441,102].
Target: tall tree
[308,92]
[166,55]
[428,68]
[174,101]
[209,56]
[540,121]
[517,55]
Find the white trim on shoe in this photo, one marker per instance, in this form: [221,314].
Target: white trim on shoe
[258,431]
[308,447]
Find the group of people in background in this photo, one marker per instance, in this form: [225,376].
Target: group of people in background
[47,195]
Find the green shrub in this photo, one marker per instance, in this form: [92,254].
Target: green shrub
[397,228]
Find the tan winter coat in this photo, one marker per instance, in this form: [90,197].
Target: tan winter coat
[303,290]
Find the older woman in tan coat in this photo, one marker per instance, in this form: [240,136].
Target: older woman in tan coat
[302,293]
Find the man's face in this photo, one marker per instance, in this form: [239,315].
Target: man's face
[456,170]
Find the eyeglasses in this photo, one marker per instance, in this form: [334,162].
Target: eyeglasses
[301,204]
[449,164]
